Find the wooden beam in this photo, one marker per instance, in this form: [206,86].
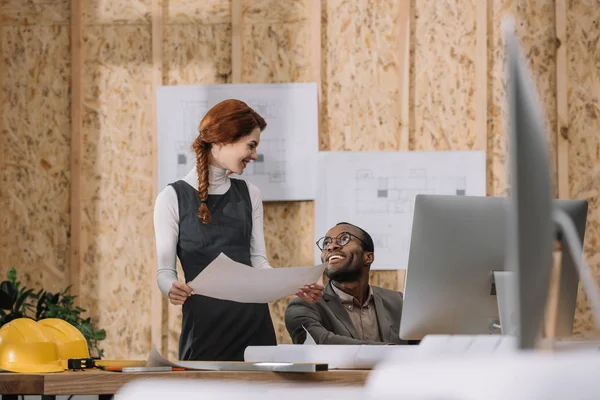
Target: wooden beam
[316,64]
[158,302]
[562,155]
[77,235]
[551,311]
[236,41]
[404,92]
[316,47]
[562,107]
[404,66]
[481,74]
[401,279]
[2,97]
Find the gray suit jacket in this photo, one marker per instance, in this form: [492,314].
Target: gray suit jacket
[328,322]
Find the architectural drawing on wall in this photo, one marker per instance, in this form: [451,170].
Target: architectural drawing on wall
[286,161]
[395,194]
[266,108]
[191,113]
[382,243]
[270,161]
[376,191]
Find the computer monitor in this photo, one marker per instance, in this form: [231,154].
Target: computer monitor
[530,221]
[457,243]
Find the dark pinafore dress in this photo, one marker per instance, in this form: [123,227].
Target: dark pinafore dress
[213,329]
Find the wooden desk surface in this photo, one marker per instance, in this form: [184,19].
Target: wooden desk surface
[94,381]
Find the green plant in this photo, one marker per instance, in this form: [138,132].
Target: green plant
[15,303]
[14,299]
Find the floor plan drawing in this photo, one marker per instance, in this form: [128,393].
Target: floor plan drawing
[376,191]
[270,161]
[285,165]
[192,114]
[266,108]
[396,194]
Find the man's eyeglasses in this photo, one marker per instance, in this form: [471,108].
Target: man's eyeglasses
[342,239]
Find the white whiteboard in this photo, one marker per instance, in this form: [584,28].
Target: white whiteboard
[376,191]
[286,164]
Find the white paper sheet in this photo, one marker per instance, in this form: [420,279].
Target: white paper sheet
[155,359]
[286,165]
[226,279]
[337,356]
[376,191]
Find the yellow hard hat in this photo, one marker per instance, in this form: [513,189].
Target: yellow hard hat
[27,347]
[69,340]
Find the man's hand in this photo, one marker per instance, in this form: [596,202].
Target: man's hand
[179,293]
[311,293]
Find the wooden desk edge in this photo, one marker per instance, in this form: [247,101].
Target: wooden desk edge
[21,384]
[94,382]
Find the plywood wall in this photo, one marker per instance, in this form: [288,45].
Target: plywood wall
[360,79]
[35,142]
[535,25]
[117,174]
[196,51]
[583,52]
[444,78]
[276,48]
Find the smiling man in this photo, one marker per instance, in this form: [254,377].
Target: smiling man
[351,311]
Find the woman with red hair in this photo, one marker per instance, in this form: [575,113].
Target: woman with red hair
[206,213]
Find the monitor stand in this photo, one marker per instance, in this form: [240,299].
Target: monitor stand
[505,287]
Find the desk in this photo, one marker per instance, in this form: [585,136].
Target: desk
[100,382]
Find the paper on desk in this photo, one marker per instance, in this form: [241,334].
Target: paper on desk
[351,356]
[155,359]
[226,279]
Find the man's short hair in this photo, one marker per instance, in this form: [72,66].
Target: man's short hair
[367,243]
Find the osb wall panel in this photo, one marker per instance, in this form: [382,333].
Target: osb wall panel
[173,328]
[35,154]
[203,12]
[535,26]
[35,12]
[289,239]
[276,52]
[113,12]
[361,75]
[583,41]
[117,190]
[269,11]
[497,180]
[443,108]
[361,82]
[273,53]
[194,54]
[197,54]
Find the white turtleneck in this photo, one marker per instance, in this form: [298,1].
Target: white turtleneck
[166,225]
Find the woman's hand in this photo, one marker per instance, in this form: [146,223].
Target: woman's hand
[311,293]
[179,293]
